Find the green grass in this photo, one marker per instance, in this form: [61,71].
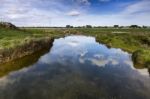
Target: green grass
[141,58]
[10,38]
[130,40]
[22,62]
[127,39]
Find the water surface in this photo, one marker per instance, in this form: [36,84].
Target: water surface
[77,67]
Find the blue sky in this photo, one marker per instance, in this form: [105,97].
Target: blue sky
[75,12]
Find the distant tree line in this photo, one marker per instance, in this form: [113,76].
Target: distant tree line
[90,26]
[115,26]
[7,24]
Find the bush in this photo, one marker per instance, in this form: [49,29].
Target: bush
[141,58]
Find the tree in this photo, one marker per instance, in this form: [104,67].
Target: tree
[69,26]
[116,26]
[88,26]
[134,26]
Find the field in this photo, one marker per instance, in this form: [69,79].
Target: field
[136,41]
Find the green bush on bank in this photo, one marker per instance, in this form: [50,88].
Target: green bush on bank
[141,58]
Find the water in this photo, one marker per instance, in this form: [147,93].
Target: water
[77,67]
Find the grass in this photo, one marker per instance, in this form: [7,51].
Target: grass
[21,63]
[141,58]
[10,38]
[131,40]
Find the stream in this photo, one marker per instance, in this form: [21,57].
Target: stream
[77,67]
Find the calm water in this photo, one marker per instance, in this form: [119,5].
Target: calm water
[77,67]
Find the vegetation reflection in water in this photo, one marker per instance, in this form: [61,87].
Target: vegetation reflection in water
[77,67]
[26,61]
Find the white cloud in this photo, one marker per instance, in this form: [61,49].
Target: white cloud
[100,63]
[54,13]
[74,13]
[23,12]
[73,44]
[136,13]
[138,7]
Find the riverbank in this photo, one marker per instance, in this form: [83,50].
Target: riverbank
[27,48]
[135,41]
[22,62]
[17,43]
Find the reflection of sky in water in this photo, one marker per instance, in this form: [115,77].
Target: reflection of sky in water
[84,49]
[78,67]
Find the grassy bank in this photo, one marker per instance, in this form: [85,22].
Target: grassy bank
[135,41]
[23,62]
[16,43]
[10,38]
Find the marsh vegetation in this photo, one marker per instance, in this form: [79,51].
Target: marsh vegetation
[134,40]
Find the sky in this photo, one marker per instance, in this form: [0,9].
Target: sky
[75,12]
